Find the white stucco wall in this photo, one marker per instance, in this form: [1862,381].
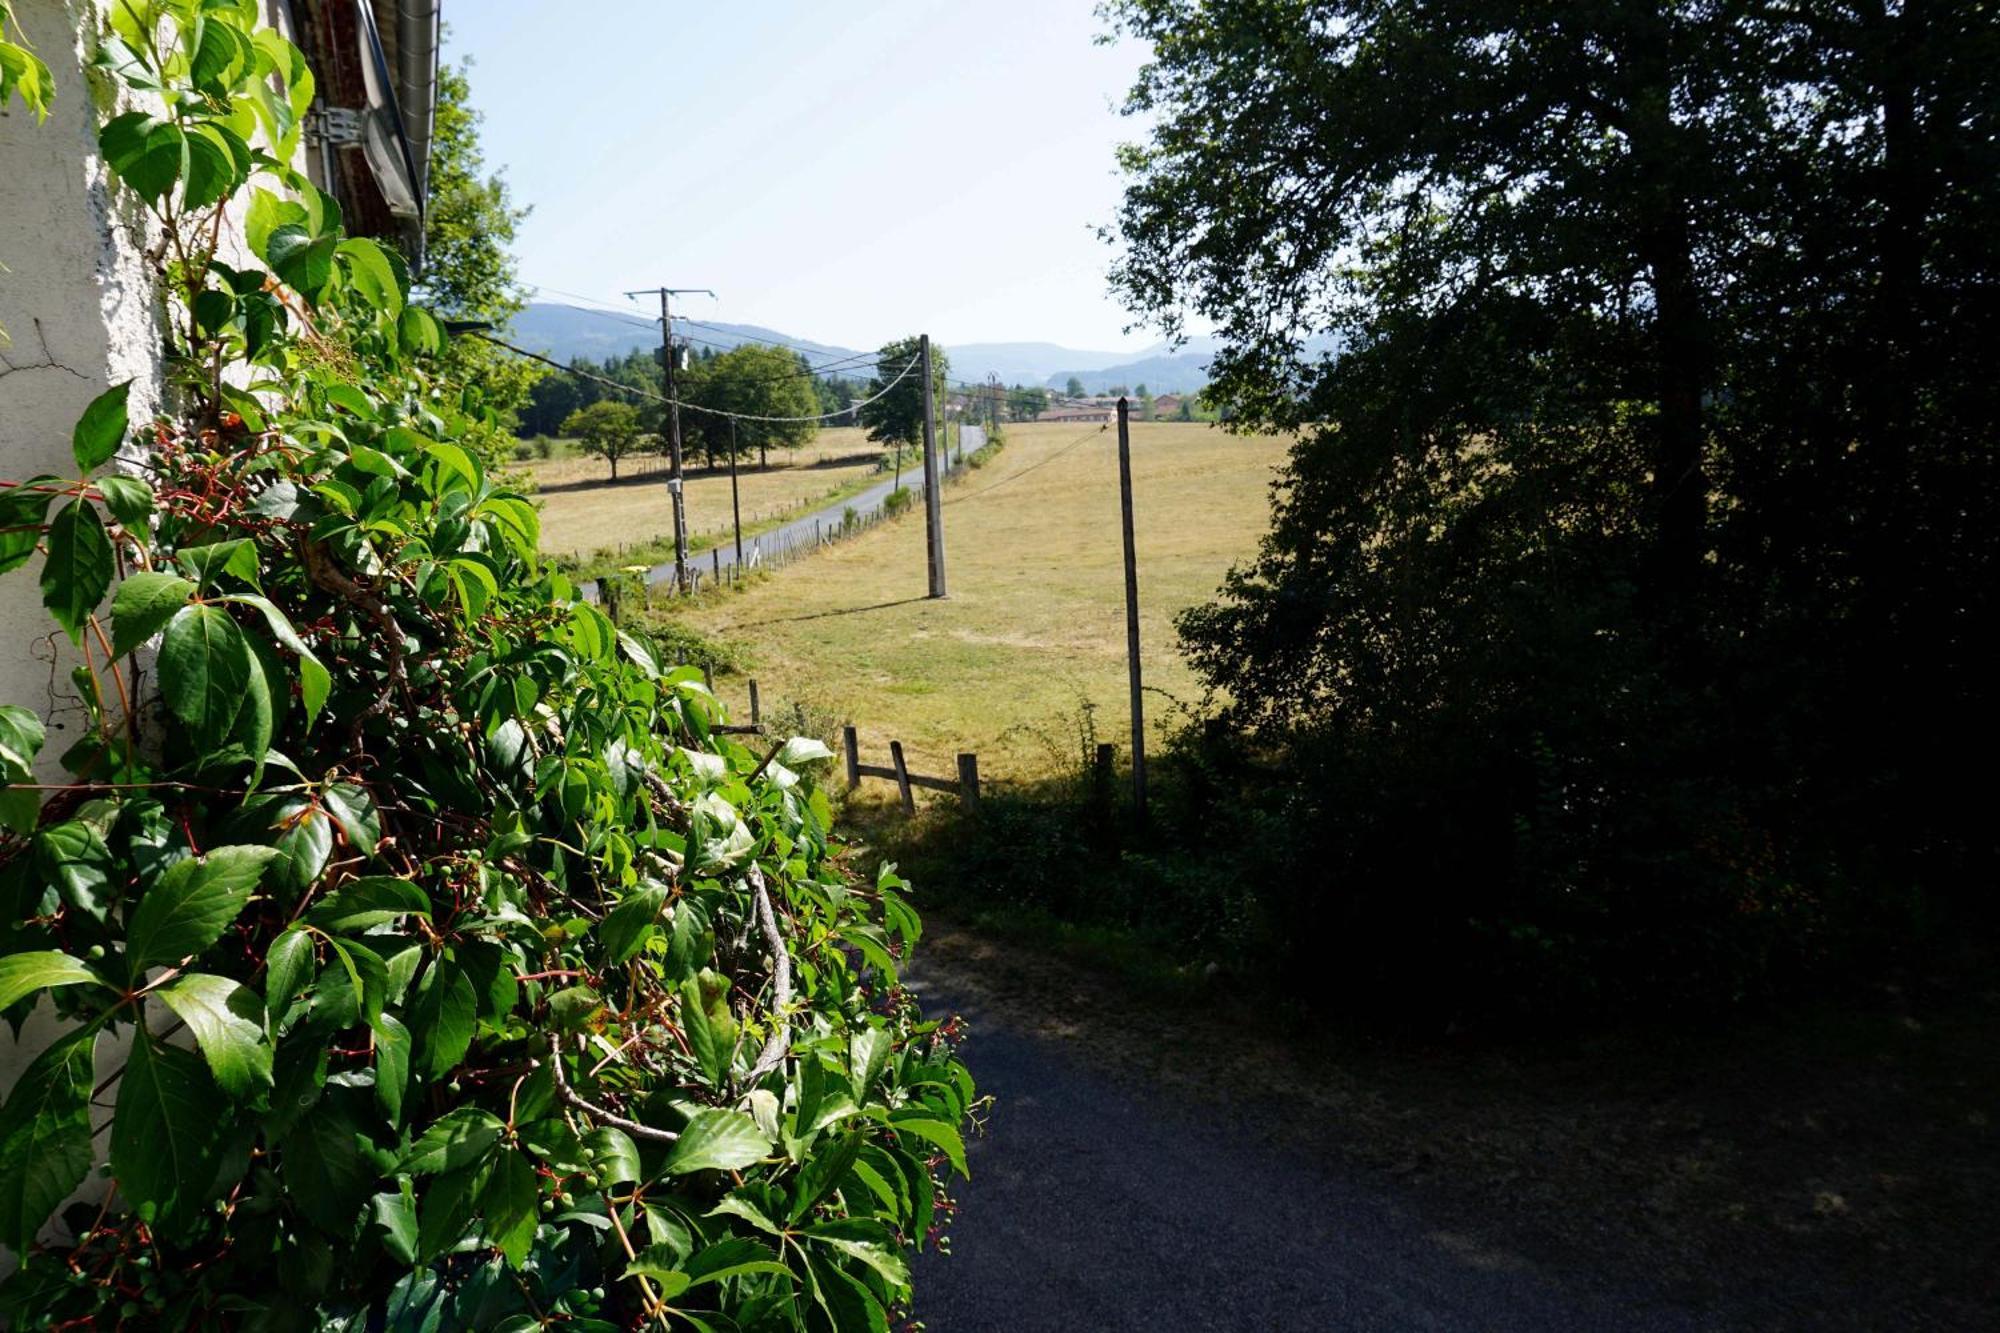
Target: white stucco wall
[82,313]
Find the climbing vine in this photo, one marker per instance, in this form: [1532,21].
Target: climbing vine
[435,960]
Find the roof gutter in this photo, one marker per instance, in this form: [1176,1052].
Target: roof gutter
[418,39]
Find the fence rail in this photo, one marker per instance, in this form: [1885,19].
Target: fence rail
[965,786]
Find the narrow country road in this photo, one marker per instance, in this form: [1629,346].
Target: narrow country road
[827,517]
[1096,1206]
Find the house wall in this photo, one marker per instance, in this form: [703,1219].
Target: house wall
[80,306]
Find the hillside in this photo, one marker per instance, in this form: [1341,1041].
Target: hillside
[569,331]
[1024,363]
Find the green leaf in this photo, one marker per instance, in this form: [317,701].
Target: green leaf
[716,1141]
[191,904]
[78,571]
[45,1137]
[511,1202]
[822,1173]
[713,1043]
[21,739]
[287,968]
[22,511]
[302,260]
[205,669]
[616,1156]
[802,750]
[851,1305]
[392,1066]
[420,332]
[740,1205]
[737,1256]
[327,1175]
[101,428]
[164,1132]
[25,973]
[656,1263]
[129,499]
[457,1139]
[373,276]
[146,601]
[218,162]
[227,1020]
[443,1017]
[868,1051]
[315,682]
[74,857]
[396,1214]
[354,810]
[870,1242]
[624,927]
[937,1132]
[370,901]
[147,154]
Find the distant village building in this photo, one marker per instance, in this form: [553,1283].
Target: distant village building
[1087,412]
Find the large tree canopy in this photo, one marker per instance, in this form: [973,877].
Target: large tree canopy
[751,380]
[1656,464]
[897,415]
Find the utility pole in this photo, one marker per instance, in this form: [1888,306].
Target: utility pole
[1132,615]
[674,477]
[933,477]
[735,501]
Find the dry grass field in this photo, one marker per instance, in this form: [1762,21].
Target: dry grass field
[1035,625]
[584,514]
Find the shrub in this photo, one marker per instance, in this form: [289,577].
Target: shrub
[896,501]
[516,994]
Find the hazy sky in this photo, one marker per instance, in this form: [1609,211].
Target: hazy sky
[845,172]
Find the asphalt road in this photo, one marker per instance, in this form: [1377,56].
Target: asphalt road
[827,517]
[1095,1205]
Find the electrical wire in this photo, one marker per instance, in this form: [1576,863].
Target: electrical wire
[1084,438]
[554,364]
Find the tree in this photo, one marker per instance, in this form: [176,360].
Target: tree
[897,417]
[1635,500]
[1145,404]
[1025,404]
[1074,388]
[469,271]
[605,430]
[757,381]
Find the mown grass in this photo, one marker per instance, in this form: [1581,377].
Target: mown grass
[586,516]
[1034,628]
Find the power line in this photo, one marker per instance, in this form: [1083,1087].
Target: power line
[1079,440]
[554,364]
[837,366]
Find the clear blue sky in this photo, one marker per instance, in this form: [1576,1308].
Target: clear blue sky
[845,172]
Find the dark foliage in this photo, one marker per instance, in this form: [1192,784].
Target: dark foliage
[1616,641]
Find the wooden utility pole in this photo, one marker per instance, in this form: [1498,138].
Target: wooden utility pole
[674,477]
[933,477]
[1132,614]
[735,501]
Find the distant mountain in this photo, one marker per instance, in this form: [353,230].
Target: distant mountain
[1165,369]
[1182,372]
[1023,363]
[566,332]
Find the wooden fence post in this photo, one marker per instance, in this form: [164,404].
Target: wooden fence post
[902,777]
[708,675]
[756,716]
[853,757]
[968,780]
